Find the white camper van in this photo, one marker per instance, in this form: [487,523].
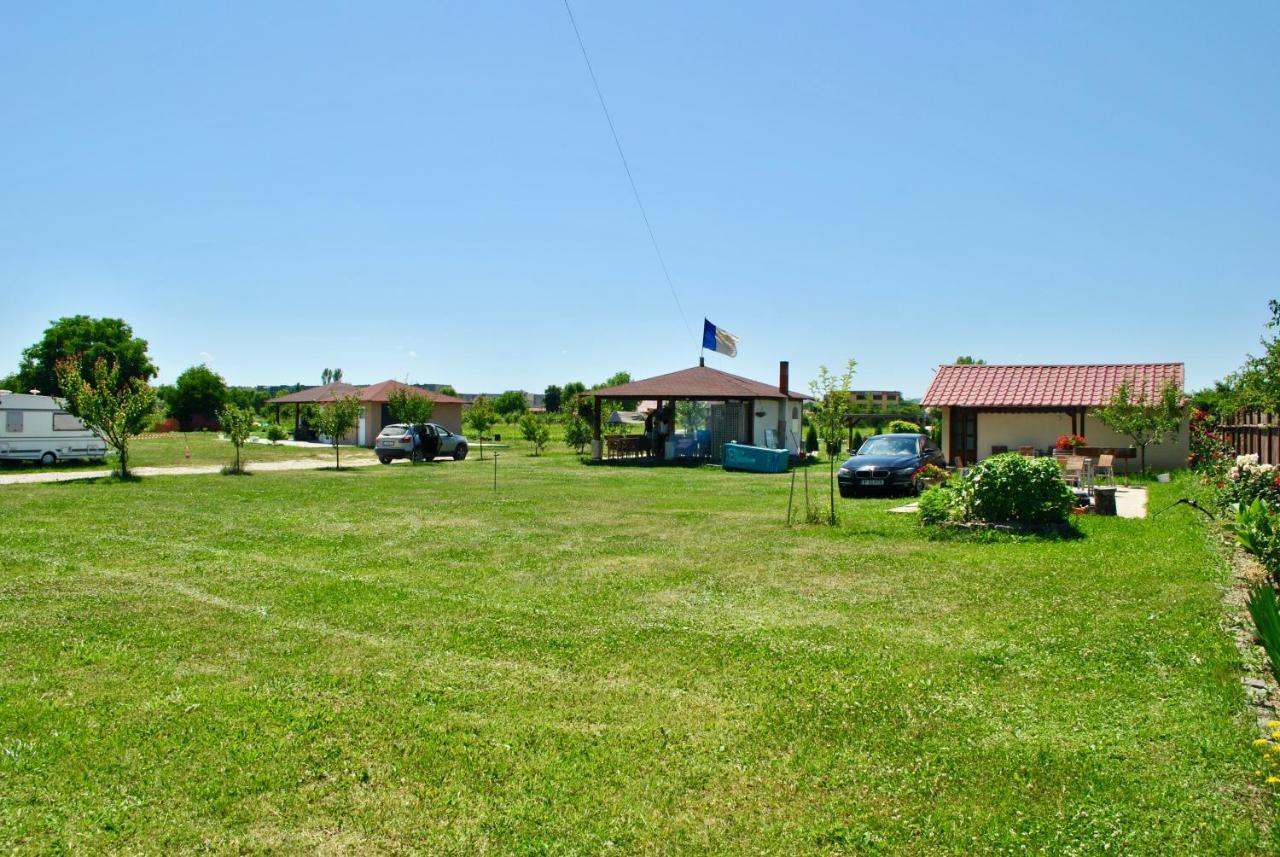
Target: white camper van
[36,428]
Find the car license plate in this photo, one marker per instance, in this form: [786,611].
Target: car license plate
[872,481]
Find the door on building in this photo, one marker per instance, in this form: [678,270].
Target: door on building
[964,436]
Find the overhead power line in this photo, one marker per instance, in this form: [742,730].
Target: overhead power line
[653,238]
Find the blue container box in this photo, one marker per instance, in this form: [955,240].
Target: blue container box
[756,459]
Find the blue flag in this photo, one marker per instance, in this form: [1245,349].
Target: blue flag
[718,339]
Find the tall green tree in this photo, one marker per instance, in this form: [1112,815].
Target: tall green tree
[335,420]
[237,424]
[569,394]
[832,403]
[88,340]
[552,398]
[577,434]
[510,404]
[1144,416]
[966,360]
[199,392]
[480,417]
[112,405]
[447,390]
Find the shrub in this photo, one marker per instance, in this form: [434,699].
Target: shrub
[1210,452]
[902,427]
[276,432]
[1070,441]
[165,425]
[1006,489]
[1248,481]
[1257,528]
[933,471]
[935,505]
[858,440]
[811,440]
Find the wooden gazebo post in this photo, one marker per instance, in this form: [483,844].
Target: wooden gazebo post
[596,452]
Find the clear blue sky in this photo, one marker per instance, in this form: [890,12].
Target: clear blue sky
[430,190]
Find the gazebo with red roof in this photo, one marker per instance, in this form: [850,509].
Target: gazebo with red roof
[995,408]
[742,410]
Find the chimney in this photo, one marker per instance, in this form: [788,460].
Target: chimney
[784,377]
[702,361]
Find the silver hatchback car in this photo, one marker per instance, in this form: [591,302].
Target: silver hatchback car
[417,442]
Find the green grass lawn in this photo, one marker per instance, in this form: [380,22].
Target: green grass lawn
[170,450]
[595,659]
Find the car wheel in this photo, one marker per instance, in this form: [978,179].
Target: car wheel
[847,492]
[48,459]
[460,452]
[384,459]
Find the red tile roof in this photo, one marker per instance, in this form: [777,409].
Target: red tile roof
[699,382]
[367,393]
[1043,386]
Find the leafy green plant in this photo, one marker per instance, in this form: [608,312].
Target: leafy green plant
[1266,619]
[832,403]
[276,432]
[1257,530]
[935,506]
[1005,489]
[811,439]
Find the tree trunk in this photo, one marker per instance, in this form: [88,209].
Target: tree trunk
[337,458]
[123,450]
[831,469]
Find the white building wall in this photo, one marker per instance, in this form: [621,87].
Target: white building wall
[770,408]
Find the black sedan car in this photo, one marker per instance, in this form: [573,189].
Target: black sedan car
[887,463]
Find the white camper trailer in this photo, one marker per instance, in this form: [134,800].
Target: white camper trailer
[36,428]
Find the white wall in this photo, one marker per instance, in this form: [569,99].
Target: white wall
[769,407]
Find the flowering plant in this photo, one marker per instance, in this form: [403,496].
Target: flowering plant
[1070,441]
[1247,480]
[932,471]
[1211,451]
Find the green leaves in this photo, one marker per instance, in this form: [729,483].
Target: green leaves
[1266,619]
[1256,528]
[113,408]
[1003,489]
[410,405]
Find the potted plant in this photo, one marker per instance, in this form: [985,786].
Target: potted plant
[931,475]
[1070,442]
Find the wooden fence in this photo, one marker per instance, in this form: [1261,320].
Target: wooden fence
[1255,433]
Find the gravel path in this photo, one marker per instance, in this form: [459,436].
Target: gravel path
[256,467]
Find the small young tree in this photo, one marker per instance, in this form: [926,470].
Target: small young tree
[334,420]
[535,430]
[115,409]
[447,390]
[1143,417]
[832,404]
[410,405]
[577,433]
[236,423]
[480,417]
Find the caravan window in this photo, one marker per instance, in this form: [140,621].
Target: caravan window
[63,421]
[13,421]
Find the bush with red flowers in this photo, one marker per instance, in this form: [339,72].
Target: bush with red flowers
[1070,441]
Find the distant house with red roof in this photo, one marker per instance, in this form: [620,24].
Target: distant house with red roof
[989,408]
[375,414]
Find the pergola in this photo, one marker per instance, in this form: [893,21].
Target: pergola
[764,405]
[312,396]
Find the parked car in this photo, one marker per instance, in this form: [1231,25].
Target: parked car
[888,463]
[415,442]
[37,428]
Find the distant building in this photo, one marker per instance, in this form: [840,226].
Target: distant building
[876,400]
